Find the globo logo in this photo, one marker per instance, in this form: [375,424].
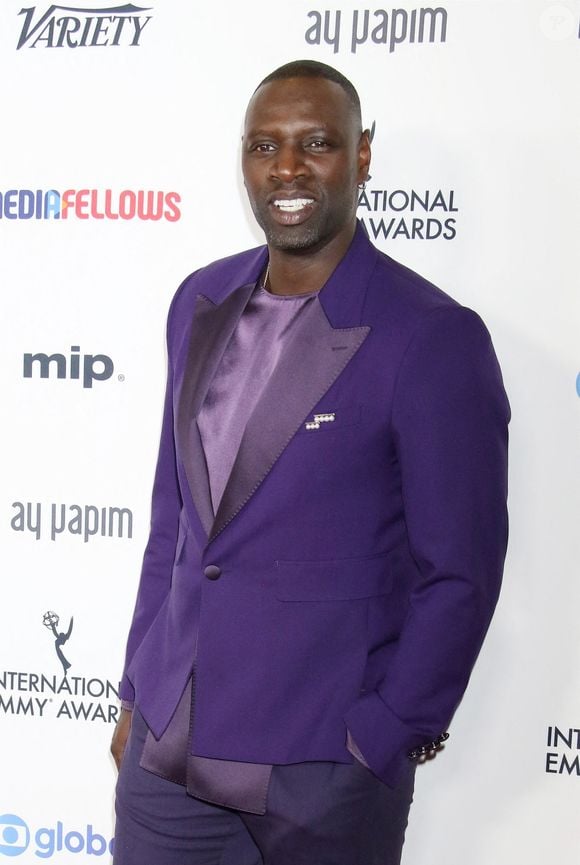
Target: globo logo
[14,835]
[16,838]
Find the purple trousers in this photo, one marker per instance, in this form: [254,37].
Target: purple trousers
[317,814]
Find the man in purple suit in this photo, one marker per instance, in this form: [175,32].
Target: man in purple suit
[328,524]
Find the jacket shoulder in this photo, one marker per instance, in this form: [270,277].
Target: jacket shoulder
[398,286]
[217,279]
[423,321]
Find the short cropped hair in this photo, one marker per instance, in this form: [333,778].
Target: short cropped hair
[315,69]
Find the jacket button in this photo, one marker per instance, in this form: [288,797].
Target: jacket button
[212,572]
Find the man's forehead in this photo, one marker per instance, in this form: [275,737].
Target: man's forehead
[298,95]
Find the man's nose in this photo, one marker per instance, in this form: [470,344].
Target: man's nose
[288,163]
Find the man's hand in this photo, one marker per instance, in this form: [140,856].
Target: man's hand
[120,736]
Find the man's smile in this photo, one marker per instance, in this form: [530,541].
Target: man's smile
[291,205]
[290,210]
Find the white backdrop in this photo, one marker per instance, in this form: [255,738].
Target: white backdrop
[479,115]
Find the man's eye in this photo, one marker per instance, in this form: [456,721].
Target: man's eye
[263,147]
[318,144]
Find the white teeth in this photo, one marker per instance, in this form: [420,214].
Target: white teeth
[292,204]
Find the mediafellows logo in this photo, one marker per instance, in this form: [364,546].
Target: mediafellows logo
[376,28]
[16,838]
[145,204]
[71,27]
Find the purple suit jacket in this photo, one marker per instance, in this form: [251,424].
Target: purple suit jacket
[358,563]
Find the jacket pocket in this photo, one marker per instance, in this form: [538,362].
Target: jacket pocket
[334,580]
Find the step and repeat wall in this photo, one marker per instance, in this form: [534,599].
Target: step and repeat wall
[119,174]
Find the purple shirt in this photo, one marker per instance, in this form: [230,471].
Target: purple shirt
[246,365]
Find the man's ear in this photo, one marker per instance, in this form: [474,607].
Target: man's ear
[364,156]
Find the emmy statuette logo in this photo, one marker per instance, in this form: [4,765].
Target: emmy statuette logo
[50,620]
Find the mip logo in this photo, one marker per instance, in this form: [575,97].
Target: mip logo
[14,835]
[71,27]
[94,367]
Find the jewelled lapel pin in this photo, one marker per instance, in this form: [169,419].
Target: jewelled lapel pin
[327,417]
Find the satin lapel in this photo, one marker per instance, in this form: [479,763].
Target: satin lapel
[314,358]
[211,329]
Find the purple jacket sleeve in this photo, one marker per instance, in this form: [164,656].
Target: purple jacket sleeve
[450,416]
[159,554]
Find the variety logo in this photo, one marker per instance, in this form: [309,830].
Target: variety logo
[86,521]
[376,27]
[563,754]
[145,204]
[410,214]
[94,367]
[16,838]
[71,27]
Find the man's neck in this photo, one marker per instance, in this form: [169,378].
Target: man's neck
[306,272]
